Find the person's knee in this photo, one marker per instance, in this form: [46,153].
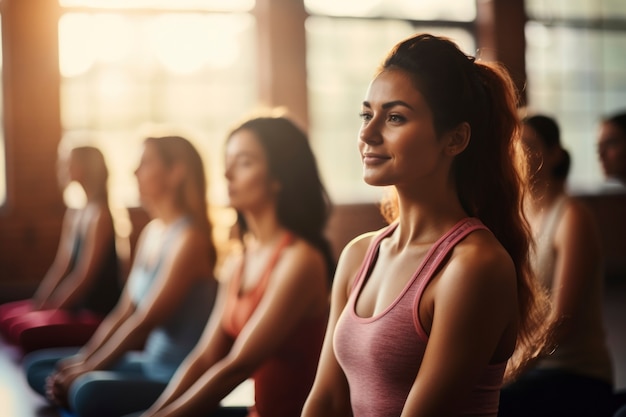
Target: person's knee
[37,368]
[84,395]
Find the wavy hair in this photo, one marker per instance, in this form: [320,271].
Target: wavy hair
[460,89]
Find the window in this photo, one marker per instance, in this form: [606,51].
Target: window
[576,67]
[129,66]
[345,44]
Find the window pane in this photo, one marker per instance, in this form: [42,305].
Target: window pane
[342,55]
[450,10]
[192,72]
[208,5]
[575,9]
[578,76]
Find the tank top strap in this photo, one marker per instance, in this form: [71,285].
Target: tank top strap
[172,232]
[552,219]
[446,243]
[371,254]
[285,241]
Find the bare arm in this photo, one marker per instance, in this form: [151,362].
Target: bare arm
[297,286]
[97,240]
[61,262]
[213,346]
[179,272]
[330,394]
[578,262]
[473,301]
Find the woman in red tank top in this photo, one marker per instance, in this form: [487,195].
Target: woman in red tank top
[273,304]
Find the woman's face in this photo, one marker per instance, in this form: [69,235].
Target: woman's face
[247,173]
[397,140]
[612,150]
[151,175]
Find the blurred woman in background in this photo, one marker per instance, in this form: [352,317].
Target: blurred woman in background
[165,304]
[274,294]
[576,378]
[84,282]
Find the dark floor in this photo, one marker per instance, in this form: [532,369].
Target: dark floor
[17,400]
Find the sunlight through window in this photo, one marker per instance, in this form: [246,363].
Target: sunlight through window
[191,71]
[207,5]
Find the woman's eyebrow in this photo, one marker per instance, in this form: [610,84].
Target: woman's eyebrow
[390,104]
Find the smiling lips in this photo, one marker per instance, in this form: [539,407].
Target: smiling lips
[370,158]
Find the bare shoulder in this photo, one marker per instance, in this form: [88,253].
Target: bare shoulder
[303,254]
[481,261]
[193,240]
[352,257]
[576,213]
[578,226]
[302,260]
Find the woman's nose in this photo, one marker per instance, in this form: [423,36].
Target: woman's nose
[370,133]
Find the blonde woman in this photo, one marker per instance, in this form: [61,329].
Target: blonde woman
[165,304]
[84,282]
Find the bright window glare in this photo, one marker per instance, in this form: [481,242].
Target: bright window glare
[124,74]
[174,39]
[208,5]
[451,10]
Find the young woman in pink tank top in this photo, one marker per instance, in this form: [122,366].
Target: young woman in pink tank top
[426,313]
[273,304]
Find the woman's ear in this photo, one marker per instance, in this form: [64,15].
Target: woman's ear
[458,139]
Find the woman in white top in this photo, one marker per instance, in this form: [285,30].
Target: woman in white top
[576,378]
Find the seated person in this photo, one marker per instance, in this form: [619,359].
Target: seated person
[576,378]
[274,298]
[84,281]
[612,148]
[164,306]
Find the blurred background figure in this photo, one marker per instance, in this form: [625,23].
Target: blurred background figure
[612,148]
[274,295]
[84,282]
[164,306]
[576,378]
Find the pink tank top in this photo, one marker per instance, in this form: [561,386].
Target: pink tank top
[381,355]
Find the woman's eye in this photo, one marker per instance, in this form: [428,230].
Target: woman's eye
[365,116]
[396,118]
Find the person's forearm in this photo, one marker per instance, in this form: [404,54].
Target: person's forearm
[205,394]
[128,336]
[189,372]
[103,333]
[69,292]
[47,286]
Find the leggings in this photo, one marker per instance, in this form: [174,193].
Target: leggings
[553,392]
[123,389]
[31,329]
[221,412]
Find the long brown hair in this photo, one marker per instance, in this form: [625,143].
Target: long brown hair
[303,205]
[459,89]
[192,193]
